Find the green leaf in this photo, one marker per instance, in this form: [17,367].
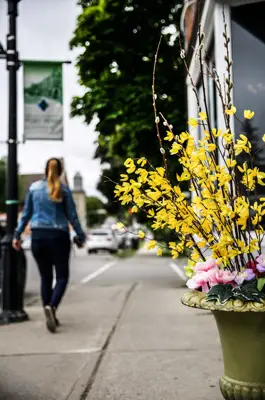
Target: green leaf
[261,283]
[189,271]
[248,292]
[221,293]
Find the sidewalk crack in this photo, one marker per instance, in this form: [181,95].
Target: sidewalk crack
[105,347]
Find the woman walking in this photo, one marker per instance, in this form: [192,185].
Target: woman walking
[50,207]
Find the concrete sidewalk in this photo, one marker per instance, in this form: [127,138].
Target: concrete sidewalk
[116,343]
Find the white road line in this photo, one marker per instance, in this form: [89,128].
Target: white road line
[178,271]
[98,272]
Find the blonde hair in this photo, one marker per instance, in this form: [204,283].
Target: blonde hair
[53,174]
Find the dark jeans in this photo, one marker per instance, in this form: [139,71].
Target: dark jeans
[49,253]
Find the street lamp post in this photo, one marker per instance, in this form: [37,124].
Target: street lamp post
[12,293]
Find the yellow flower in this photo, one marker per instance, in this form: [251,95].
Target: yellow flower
[215,212]
[159,252]
[242,144]
[118,226]
[174,254]
[176,147]
[185,176]
[216,133]
[253,246]
[142,161]
[202,244]
[183,137]
[231,111]
[154,195]
[151,213]
[263,138]
[248,114]
[139,201]
[228,137]
[256,219]
[151,245]
[203,116]
[193,122]
[143,174]
[190,146]
[230,163]
[244,169]
[141,234]
[170,136]
[211,147]
[260,177]
[129,162]
[161,171]
[124,177]
[206,135]
[131,170]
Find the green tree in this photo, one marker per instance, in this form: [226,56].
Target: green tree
[118,41]
[96,213]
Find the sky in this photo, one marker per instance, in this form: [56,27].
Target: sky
[45,28]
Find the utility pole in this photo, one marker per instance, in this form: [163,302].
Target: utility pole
[12,288]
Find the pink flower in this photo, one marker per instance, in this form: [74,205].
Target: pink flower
[198,281]
[206,265]
[208,275]
[261,263]
[221,276]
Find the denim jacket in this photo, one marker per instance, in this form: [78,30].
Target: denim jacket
[45,213]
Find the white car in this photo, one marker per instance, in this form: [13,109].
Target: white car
[102,240]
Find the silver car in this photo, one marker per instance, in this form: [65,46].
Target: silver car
[102,240]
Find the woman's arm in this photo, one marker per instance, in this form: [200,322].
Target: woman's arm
[25,217]
[72,215]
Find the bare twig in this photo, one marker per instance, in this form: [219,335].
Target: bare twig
[162,150]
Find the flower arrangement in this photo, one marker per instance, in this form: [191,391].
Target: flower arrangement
[220,225]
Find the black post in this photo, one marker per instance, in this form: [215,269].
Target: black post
[12,298]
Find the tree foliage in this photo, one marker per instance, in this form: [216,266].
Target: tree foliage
[118,41]
[95,211]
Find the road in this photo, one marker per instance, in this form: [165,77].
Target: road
[106,270]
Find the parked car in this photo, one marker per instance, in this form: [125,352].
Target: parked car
[102,240]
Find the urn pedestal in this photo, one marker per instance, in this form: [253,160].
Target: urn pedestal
[241,327]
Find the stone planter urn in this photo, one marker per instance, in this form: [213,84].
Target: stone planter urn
[241,327]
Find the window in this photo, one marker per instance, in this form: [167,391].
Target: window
[248,45]
[210,90]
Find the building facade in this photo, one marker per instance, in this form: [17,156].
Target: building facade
[245,28]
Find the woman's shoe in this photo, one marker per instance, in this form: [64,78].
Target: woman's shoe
[57,322]
[50,319]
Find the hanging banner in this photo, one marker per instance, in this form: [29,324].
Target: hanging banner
[43,101]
